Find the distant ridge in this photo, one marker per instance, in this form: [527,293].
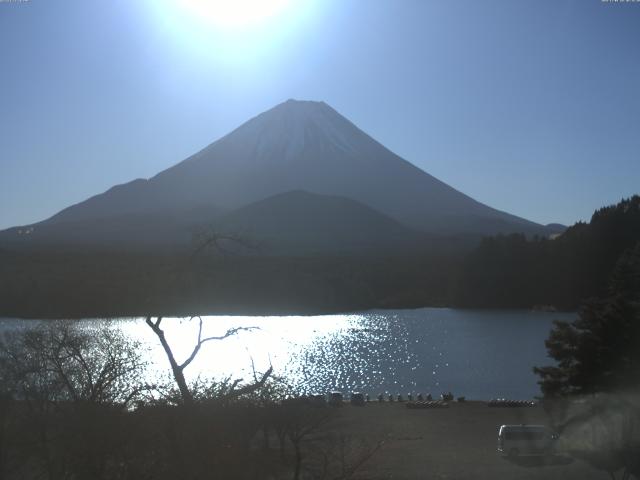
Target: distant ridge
[300,222]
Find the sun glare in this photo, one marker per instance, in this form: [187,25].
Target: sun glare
[232,14]
[229,31]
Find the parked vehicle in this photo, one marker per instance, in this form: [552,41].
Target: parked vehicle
[318,400]
[336,399]
[357,399]
[514,440]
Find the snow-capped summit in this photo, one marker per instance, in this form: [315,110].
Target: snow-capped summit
[283,133]
[297,125]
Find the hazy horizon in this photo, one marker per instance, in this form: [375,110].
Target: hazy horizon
[529,108]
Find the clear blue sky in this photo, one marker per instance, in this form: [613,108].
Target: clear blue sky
[530,107]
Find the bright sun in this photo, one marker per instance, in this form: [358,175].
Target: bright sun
[239,32]
[234,14]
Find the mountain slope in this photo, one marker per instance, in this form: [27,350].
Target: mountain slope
[300,222]
[298,145]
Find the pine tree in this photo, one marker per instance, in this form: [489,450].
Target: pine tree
[600,350]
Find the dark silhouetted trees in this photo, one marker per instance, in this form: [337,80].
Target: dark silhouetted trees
[598,359]
[599,351]
[74,405]
[65,390]
[515,272]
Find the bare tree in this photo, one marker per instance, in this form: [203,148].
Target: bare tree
[177,369]
[67,388]
[319,450]
[62,361]
[341,457]
[299,422]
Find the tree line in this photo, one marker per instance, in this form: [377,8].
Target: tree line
[592,391]
[511,271]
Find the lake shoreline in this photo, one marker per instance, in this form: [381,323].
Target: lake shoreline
[474,353]
[258,313]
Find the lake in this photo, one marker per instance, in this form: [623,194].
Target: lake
[477,354]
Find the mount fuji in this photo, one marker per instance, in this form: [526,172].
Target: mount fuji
[302,147]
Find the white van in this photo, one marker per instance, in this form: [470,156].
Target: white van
[514,440]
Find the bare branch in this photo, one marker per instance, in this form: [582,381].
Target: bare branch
[178,369]
[364,458]
[230,332]
[208,238]
[196,349]
[250,388]
[136,391]
[155,326]
[253,369]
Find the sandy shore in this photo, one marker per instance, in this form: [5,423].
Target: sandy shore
[455,443]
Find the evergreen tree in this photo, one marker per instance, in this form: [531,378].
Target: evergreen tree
[599,351]
[511,271]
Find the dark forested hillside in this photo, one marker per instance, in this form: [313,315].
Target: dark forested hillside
[107,284]
[512,271]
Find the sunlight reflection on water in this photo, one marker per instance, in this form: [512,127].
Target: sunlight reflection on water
[479,354]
